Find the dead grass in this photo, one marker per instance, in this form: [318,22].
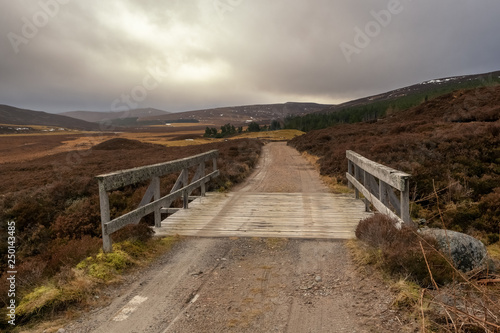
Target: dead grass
[494,251]
[331,182]
[163,135]
[280,135]
[453,302]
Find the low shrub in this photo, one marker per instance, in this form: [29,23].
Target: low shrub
[404,253]
[134,232]
[377,231]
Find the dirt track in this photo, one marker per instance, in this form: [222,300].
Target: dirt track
[249,284]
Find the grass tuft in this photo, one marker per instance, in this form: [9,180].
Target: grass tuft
[38,300]
[494,251]
[407,295]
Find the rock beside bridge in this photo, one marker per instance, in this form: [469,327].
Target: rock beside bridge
[466,251]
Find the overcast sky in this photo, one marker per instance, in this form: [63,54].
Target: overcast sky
[178,55]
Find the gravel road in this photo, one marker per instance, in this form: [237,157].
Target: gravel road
[251,284]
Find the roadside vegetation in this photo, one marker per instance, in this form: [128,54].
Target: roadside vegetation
[435,296]
[377,109]
[449,145]
[54,203]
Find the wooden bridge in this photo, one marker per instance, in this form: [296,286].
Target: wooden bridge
[284,197]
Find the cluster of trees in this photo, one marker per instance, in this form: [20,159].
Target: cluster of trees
[314,121]
[254,127]
[228,129]
[225,130]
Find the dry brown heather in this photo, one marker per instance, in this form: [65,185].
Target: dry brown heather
[452,141]
[55,203]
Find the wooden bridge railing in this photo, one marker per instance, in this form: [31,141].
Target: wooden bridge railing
[182,188]
[377,184]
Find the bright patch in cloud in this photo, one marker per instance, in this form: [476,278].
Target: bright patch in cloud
[201,71]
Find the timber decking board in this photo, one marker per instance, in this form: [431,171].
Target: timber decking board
[247,214]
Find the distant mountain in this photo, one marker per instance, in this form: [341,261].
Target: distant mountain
[15,116]
[242,114]
[417,93]
[371,108]
[97,117]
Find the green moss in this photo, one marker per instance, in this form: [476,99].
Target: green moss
[106,266]
[135,249]
[39,299]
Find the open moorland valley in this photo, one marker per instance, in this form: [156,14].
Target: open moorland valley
[446,135]
[233,166]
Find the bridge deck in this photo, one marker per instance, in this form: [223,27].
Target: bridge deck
[247,214]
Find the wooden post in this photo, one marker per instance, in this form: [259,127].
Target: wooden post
[351,172]
[374,186]
[382,192]
[107,245]
[405,203]
[185,194]
[202,189]
[157,196]
[356,176]
[366,183]
[214,163]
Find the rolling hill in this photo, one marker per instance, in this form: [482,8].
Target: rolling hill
[430,88]
[372,107]
[95,116]
[237,115]
[14,116]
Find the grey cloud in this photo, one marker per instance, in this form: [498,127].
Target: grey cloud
[257,51]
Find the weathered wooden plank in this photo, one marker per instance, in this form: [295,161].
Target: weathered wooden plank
[179,182]
[379,206]
[122,178]
[262,215]
[105,217]
[157,195]
[169,210]
[405,204]
[395,178]
[130,217]
[263,234]
[200,172]
[150,193]
[394,201]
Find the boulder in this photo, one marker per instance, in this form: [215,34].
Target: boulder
[466,251]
